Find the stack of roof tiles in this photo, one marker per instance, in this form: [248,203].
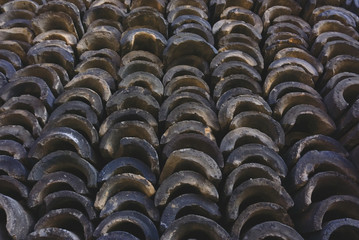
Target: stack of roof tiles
[179,119]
